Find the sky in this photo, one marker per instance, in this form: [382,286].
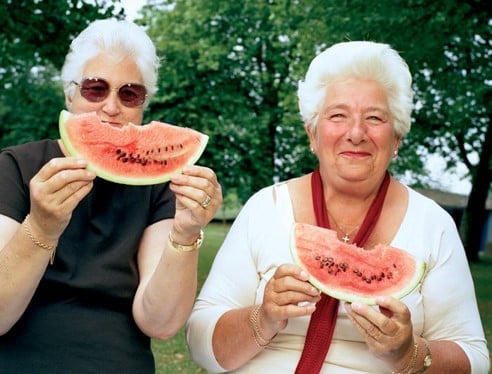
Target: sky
[131,7]
[451,182]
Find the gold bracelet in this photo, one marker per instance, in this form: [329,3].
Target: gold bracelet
[46,247]
[412,362]
[260,340]
[185,248]
[427,359]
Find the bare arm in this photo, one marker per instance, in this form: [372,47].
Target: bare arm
[55,191]
[235,341]
[22,264]
[168,282]
[168,286]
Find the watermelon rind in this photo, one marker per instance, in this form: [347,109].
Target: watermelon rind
[345,295]
[101,172]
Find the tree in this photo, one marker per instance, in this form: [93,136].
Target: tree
[226,71]
[456,93]
[230,68]
[34,39]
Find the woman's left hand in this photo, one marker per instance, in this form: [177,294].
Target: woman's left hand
[198,196]
[388,331]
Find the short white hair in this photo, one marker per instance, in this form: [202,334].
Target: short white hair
[359,60]
[117,38]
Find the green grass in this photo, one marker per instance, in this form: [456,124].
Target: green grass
[172,355]
[482,276]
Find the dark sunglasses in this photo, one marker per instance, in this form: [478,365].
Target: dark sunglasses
[96,90]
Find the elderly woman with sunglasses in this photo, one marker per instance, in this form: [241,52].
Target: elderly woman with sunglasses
[125,267]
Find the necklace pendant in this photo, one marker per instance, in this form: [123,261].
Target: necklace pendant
[346,238]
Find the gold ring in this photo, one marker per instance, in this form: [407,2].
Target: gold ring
[206,202]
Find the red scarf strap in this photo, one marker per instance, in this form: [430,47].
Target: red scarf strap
[323,320]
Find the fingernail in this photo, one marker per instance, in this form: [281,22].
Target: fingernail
[356,305]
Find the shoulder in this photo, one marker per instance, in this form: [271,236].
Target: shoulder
[277,192]
[428,209]
[42,149]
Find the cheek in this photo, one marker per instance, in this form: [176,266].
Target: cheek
[136,117]
[328,136]
[78,105]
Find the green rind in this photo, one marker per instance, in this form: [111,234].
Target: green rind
[350,297]
[100,172]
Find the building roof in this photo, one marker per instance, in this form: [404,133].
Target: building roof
[449,199]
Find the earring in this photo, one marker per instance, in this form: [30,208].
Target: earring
[395,153]
[312,150]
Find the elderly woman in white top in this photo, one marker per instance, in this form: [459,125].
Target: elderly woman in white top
[254,310]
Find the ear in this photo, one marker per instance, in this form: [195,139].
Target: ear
[311,132]
[68,102]
[397,143]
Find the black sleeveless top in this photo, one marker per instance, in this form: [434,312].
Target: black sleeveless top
[80,318]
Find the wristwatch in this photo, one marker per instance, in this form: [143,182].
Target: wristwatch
[185,248]
[427,358]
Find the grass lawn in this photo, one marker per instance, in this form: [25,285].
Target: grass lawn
[172,355]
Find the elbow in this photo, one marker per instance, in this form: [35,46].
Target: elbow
[157,328]
[5,327]
[164,334]
[155,331]
[7,321]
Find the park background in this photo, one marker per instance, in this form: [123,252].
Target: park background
[230,69]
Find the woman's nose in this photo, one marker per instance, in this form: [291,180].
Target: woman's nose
[112,104]
[356,131]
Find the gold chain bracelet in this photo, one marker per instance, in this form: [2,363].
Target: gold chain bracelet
[260,340]
[46,247]
[412,362]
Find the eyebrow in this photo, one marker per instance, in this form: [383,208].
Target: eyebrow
[346,107]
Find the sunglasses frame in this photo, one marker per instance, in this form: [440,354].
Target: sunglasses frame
[97,99]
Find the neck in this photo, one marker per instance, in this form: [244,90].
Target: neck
[347,211]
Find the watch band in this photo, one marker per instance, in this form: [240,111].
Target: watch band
[427,358]
[185,248]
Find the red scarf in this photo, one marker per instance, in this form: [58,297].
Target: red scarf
[323,320]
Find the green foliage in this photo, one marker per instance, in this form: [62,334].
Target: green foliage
[230,69]
[227,72]
[34,39]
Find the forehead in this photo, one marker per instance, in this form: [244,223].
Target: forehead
[350,93]
[115,70]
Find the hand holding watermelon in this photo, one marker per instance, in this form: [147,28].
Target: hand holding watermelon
[194,186]
[388,331]
[55,191]
[288,294]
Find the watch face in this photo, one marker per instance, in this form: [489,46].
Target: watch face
[427,361]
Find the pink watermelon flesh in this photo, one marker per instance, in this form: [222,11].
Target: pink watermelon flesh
[348,272]
[134,155]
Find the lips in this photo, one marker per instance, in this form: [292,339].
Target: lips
[356,154]
[112,123]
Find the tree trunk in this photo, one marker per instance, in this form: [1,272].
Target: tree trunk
[475,215]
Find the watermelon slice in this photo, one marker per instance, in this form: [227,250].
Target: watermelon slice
[134,155]
[350,273]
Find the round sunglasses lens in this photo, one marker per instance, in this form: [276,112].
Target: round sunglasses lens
[132,94]
[94,90]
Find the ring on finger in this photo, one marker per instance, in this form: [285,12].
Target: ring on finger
[206,202]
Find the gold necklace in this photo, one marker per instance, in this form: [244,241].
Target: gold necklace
[346,236]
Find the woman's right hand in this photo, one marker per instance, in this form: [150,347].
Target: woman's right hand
[287,294]
[55,191]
